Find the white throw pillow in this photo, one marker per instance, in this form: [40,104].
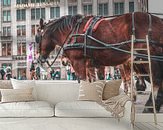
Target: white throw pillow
[16,95]
[91,91]
[23,84]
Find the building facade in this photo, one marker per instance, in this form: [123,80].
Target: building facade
[20,18]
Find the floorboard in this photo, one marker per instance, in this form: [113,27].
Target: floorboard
[136,128]
[161,124]
[141,126]
[148,126]
[157,126]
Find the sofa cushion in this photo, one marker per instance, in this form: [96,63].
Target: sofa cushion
[91,91]
[23,84]
[26,109]
[16,95]
[111,89]
[80,109]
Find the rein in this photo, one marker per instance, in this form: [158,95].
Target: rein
[54,58]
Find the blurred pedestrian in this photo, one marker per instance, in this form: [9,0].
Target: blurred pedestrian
[57,75]
[38,72]
[8,73]
[2,73]
[73,73]
[68,69]
[32,71]
[23,77]
[52,74]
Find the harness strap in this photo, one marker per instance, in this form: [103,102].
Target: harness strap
[150,26]
[133,24]
[87,24]
[77,28]
[74,31]
[92,23]
[97,24]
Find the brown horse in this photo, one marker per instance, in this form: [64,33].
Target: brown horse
[110,32]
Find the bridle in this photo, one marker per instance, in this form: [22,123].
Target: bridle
[67,40]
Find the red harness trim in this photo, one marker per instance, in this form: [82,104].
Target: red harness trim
[95,26]
[87,24]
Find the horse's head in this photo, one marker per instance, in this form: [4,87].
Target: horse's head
[54,33]
[57,32]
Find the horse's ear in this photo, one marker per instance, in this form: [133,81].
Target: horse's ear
[41,23]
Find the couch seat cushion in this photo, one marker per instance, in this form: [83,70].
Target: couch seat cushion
[80,109]
[26,109]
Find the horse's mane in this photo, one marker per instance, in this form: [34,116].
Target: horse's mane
[61,23]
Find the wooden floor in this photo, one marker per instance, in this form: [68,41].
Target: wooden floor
[148,126]
[146,121]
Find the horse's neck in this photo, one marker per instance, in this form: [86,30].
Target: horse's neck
[63,37]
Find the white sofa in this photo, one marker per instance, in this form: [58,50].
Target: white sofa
[64,111]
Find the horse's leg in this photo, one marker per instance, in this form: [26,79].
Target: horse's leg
[159,99]
[157,86]
[90,74]
[149,102]
[80,68]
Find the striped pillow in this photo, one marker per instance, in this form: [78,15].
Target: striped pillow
[111,89]
[91,91]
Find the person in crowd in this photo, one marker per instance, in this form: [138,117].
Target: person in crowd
[2,71]
[57,75]
[38,72]
[109,76]
[32,71]
[23,77]
[52,74]
[73,74]
[68,69]
[8,73]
